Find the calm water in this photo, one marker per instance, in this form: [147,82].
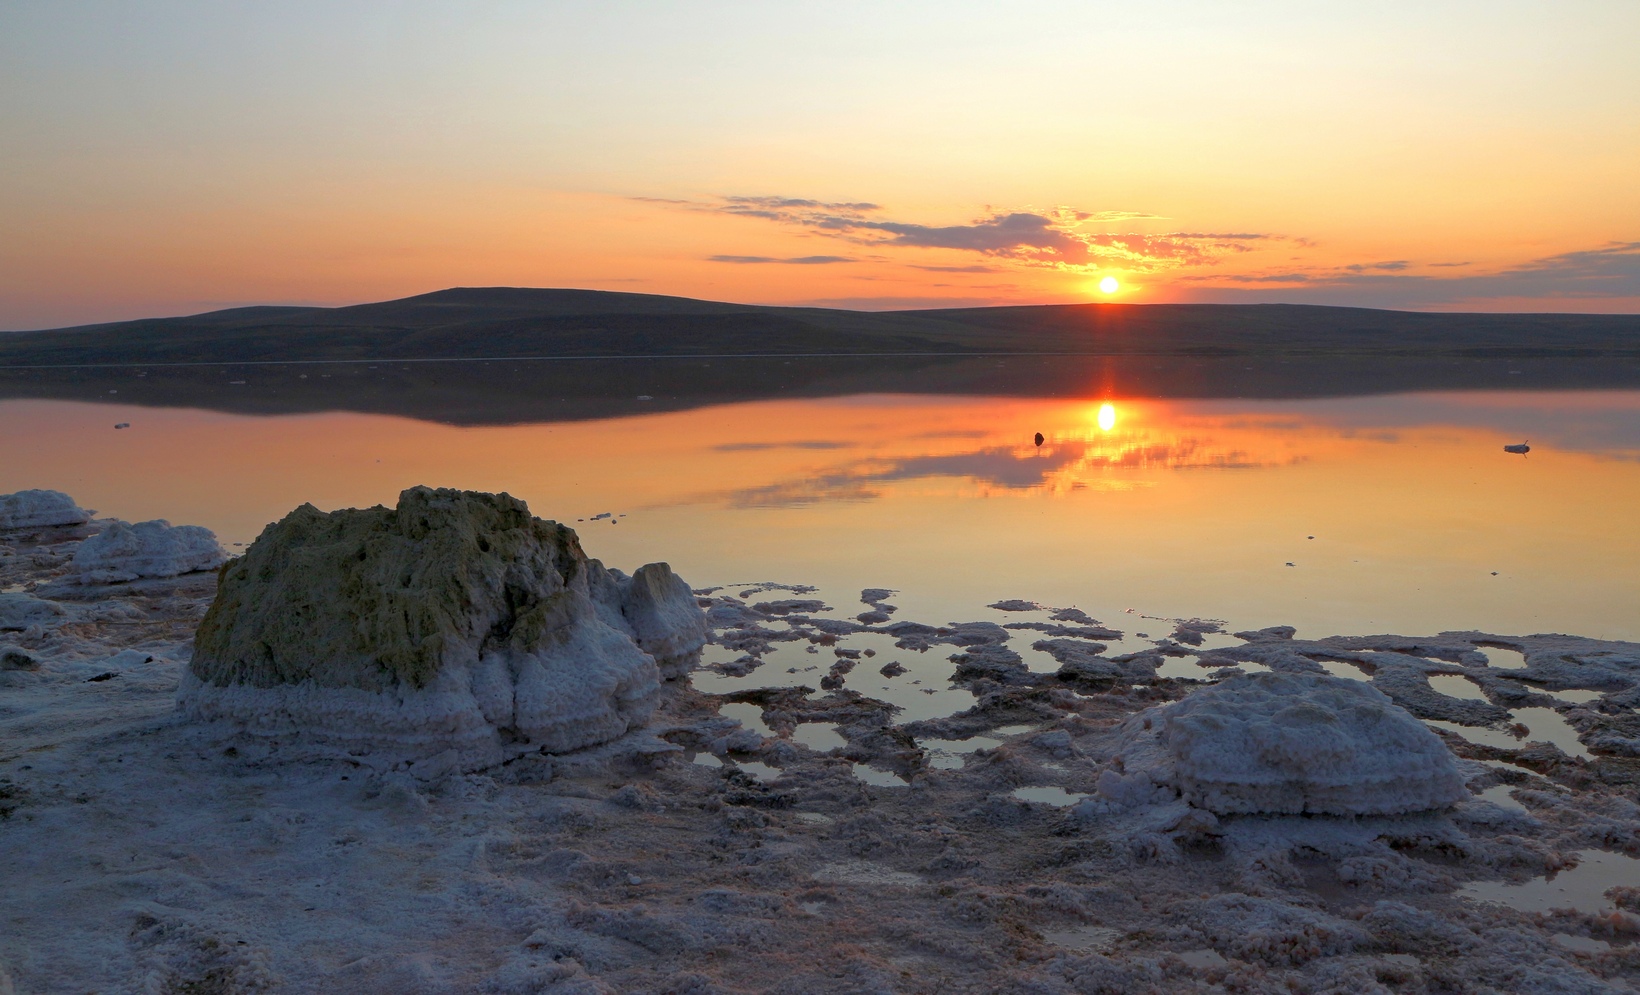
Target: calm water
[1383,514]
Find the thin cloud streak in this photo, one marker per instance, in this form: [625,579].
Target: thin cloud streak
[1609,272]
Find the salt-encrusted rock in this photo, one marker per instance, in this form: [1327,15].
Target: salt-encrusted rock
[125,552]
[455,628]
[32,509]
[660,611]
[20,611]
[1285,743]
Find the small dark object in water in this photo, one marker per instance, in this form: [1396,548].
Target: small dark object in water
[123,424]
[1289,563]
[110,675]
[1039,440]
[1521,449]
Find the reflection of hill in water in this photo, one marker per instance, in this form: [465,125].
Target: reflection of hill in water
[514,392]
[446,356]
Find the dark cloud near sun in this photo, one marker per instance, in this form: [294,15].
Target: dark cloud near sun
[1061,238]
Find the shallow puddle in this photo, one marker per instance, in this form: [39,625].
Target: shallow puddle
[1454,686]
[878,778]
[1505,659]
[1581,944]
[1048,795]
[818,736]
[1083,939]
[1499,795]
[1204,958]
[762,771]
[748,715]
[1547,725]
[1577,697]
[951,754]
[1582,888]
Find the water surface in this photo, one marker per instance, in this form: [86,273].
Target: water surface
[1398,513]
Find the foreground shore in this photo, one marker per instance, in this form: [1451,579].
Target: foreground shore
[704,853]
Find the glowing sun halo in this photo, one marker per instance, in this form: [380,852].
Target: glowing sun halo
[1108,285]
[1107,415]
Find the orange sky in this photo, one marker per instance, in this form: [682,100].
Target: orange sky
[178,157]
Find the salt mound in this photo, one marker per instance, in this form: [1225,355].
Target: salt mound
[1286,743]
[453,626]
[125,552]
[32,509]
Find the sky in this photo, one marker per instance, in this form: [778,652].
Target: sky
[175,157]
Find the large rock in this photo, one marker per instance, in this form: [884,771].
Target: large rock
[36,508]
[125,552]
[1285,743]
[455,625]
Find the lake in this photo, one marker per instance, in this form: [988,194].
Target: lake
[1393,513]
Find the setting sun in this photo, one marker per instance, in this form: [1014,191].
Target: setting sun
[1108,285]
[1107,416]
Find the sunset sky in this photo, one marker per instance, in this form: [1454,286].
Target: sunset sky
[174,157]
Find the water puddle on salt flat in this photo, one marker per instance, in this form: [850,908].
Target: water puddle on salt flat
[1201,959]
[762,771]
[878,778]
[1544,725]
[1499,795]
[1582,888]
[1048,795]
[747,714]
[1505,659]
[1083,939]
[1454,686]
[706,760]
[951,754]
[818,736]
[1577,697]
[1581,944]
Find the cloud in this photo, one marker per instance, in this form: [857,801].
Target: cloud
[1609,272]
[795,260]
[1064,238]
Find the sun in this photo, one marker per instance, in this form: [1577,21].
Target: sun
[1107,417]
[1108,285]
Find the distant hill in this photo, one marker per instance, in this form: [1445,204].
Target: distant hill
[505,322]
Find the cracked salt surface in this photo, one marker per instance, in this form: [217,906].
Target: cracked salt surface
[648,865]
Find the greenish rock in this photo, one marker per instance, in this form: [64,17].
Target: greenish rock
[455,621]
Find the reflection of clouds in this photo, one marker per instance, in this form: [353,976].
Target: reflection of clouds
[753,447]
[1060,466]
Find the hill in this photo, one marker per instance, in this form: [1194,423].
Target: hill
[502,322]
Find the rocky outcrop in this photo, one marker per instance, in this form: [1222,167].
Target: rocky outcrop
[125,552]
[454,627]
[1285,743]
[37,508]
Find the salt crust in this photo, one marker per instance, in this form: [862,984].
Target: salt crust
[454,632]
[125,552]
[1285,743]
[37,508]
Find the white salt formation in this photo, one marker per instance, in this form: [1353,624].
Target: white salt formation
[37,508]
[1286,743]
[124,552]
[455,629]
